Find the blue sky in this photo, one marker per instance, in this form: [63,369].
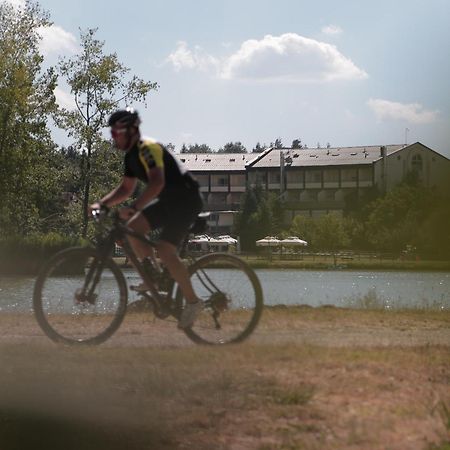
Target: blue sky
[347,72]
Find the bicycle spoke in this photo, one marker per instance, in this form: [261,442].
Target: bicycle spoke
[232,296]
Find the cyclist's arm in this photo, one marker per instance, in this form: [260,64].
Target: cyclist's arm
[120,193]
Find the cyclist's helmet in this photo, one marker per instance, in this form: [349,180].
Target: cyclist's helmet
[128,117]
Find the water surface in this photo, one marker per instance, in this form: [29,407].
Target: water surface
[389,289]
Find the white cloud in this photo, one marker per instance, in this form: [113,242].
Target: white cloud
[184,58]
[289,57]
[57,40]
[332,30]
[64,99]
[411,112]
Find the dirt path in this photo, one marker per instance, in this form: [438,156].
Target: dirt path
[307,379]
[328,327]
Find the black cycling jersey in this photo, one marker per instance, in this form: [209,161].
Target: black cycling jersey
[147,154]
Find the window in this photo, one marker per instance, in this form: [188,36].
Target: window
[294,176]
[331,176]
[349,174]
[313,176]
[417,163]
[274,177]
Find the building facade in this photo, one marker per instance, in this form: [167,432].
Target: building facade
[312,182]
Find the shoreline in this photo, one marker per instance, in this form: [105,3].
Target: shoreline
[255,263]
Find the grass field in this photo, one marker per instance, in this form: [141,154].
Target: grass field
[310,378]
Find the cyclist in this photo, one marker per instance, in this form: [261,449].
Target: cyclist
[169,203]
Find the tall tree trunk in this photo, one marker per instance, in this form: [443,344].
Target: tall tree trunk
[87,186]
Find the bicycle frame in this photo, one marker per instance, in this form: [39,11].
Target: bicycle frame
[122,232]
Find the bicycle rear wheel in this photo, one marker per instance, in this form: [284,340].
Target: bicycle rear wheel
[233,299]
[78,298]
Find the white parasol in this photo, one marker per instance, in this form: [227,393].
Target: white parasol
[293,241]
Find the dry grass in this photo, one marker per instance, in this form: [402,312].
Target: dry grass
[310,378]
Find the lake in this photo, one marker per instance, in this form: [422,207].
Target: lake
[389,289]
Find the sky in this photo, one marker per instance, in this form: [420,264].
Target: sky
[348,72]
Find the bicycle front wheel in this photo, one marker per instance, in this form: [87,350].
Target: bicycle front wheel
[233,299]
[79,298]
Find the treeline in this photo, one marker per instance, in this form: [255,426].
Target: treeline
[45,189]
[409,218]
[238,147]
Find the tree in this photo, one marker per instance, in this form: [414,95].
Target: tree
[97,83]
[394,219]
[433,237]
[233,147]
[28,183]
[297,143]
[170,147]
[328,232]
[196,148]
[259,148]
[277,144]
[260,215]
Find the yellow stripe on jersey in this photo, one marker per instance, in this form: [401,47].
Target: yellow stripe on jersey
[151,155]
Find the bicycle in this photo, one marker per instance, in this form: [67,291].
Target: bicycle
[81,295]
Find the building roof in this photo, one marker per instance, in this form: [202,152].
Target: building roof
[307,157]
[209,162]
[270,158]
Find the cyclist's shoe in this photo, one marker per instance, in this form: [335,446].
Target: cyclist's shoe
[140,288]
[189,314]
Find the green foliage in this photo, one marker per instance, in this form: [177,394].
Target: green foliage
[408,216]
[233,147]
[98,83]
[394,219]
[297,143]
[28,185]
[196,148]
[260,215]
[432,238]
[328,232]
[259,148]
[20,254]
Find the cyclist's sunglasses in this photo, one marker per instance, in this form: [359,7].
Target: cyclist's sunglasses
[116,132]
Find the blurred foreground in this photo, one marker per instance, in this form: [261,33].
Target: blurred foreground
[309,378]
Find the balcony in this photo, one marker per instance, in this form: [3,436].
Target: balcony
[313,185]
[237,188]
[294,185]
[331,184]
[219,188]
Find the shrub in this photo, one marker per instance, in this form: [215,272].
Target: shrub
[25,255]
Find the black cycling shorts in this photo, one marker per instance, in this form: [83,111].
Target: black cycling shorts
[172,216]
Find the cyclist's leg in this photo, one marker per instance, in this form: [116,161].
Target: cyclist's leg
[169,255]
[141,225]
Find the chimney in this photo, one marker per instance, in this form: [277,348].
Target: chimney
[383,151]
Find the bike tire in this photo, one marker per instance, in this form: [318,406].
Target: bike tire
[56,298]
[233,289]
